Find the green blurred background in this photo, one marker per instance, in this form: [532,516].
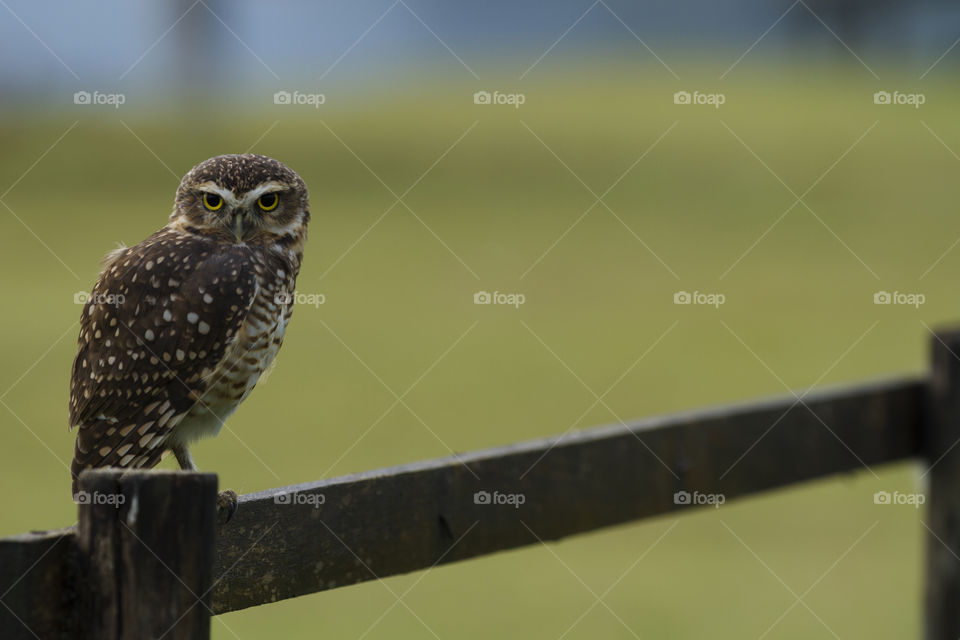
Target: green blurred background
[500,200]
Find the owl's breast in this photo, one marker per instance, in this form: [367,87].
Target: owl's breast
[249,354]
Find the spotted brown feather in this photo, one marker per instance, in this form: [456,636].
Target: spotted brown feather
[147,341]
[179,328]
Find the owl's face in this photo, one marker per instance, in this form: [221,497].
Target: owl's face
[244,198]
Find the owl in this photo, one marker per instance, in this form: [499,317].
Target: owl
[178,329]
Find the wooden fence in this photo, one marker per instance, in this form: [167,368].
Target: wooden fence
[148,559]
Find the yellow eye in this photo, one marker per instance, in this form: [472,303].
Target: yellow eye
[212,201]
[268,201]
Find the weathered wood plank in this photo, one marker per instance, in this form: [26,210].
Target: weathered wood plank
[146,547]
[311,537]
[36,585]
[942,450]
[306,538]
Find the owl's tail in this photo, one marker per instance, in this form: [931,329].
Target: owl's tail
[95,449]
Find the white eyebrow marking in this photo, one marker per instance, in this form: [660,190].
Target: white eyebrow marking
[266,187]
[212,187]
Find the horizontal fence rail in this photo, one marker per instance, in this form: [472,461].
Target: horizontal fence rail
[312,537]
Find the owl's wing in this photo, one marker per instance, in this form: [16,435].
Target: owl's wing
[157,324]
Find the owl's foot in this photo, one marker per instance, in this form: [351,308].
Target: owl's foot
[227,505]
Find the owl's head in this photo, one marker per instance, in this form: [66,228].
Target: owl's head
[245,198]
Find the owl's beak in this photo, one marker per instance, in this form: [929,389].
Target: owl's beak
[238,219]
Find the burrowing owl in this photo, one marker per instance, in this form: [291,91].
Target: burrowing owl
[178,328]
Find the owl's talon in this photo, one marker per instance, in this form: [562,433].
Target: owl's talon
[227,505]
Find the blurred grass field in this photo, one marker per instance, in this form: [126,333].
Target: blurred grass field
[399,287]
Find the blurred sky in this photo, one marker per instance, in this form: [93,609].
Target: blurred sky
[157,47]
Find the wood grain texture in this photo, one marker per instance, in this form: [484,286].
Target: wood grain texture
[311,537]
[146,543]
[126,572]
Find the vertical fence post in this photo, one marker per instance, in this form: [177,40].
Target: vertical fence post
[942,451]
[146,547]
